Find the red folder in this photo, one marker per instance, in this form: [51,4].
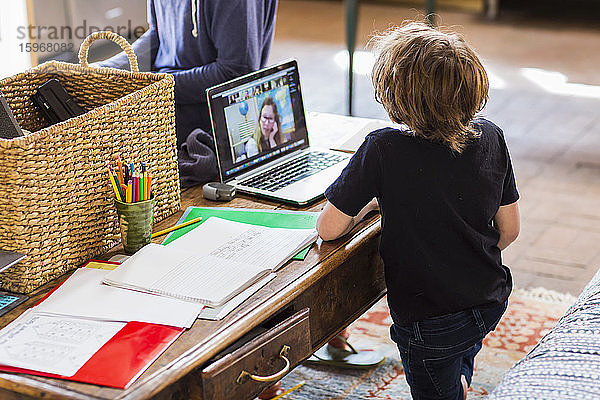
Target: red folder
[123,358]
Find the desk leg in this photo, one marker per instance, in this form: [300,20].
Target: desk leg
[343,295]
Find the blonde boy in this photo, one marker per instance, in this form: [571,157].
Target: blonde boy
[448,201]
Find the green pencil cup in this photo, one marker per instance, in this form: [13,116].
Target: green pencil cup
[135,222]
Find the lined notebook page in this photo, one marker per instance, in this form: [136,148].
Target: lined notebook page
[211,263]
[208,279]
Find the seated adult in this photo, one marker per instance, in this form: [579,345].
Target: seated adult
[268,133]
[201,43]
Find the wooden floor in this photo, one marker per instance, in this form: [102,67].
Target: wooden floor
[545,95]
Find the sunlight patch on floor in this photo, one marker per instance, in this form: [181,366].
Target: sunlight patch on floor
[558,83]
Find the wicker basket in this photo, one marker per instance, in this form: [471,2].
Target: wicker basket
[56,202]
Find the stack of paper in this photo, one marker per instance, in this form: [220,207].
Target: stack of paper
[83,295]
[89,332]
[83,329]
[261,217]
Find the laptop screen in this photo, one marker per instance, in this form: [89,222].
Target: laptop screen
[257,118]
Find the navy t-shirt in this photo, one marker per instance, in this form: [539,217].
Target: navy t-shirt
[438,241]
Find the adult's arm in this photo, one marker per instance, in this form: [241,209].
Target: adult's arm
[332,223]
[237,29]
[145,47]
[507,221]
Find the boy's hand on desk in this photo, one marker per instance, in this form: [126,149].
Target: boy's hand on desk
[333,223]
[372,206]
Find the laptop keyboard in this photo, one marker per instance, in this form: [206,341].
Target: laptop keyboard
[292,171]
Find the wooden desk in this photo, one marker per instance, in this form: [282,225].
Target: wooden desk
[336,283]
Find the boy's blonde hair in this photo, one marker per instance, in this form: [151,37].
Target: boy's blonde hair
[430,80]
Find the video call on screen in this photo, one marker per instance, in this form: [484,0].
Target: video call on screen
[263,119]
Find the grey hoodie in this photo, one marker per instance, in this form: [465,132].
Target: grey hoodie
[202,43]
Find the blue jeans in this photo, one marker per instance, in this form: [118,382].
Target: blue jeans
[435,352]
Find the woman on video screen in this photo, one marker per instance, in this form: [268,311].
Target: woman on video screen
[268,131]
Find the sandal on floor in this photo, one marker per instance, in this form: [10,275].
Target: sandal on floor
[353,358]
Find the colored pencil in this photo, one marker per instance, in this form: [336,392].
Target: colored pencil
[119,188]
[133,188]
[145,186]
[114,185]
[142,192]
[131,185]
[149,185]
[174,227]
[121,177]
[137,186]
[289,390]
[128,196]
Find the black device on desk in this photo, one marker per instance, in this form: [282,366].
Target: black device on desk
[55,104]
[9,127]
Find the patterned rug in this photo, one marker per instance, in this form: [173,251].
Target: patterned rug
[530,315]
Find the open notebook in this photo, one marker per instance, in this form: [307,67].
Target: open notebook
[212,263]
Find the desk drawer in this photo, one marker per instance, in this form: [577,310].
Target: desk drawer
[269,356]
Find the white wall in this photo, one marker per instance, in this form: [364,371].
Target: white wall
[13,14]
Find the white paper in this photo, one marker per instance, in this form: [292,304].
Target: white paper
[267,248]
[53,344]
[221,312]
[84,295]
[216,277]
[325,130]
[342,132]
[211,263]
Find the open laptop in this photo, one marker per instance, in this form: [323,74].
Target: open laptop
[261,140]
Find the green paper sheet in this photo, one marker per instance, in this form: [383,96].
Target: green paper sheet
[269,218]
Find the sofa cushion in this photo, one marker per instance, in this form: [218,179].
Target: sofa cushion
[565,364]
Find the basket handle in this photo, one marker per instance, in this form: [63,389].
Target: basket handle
[108,35]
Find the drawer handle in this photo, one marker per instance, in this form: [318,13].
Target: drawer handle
[270,378]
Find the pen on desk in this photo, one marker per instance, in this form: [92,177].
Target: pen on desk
[174,227]
[289,390]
